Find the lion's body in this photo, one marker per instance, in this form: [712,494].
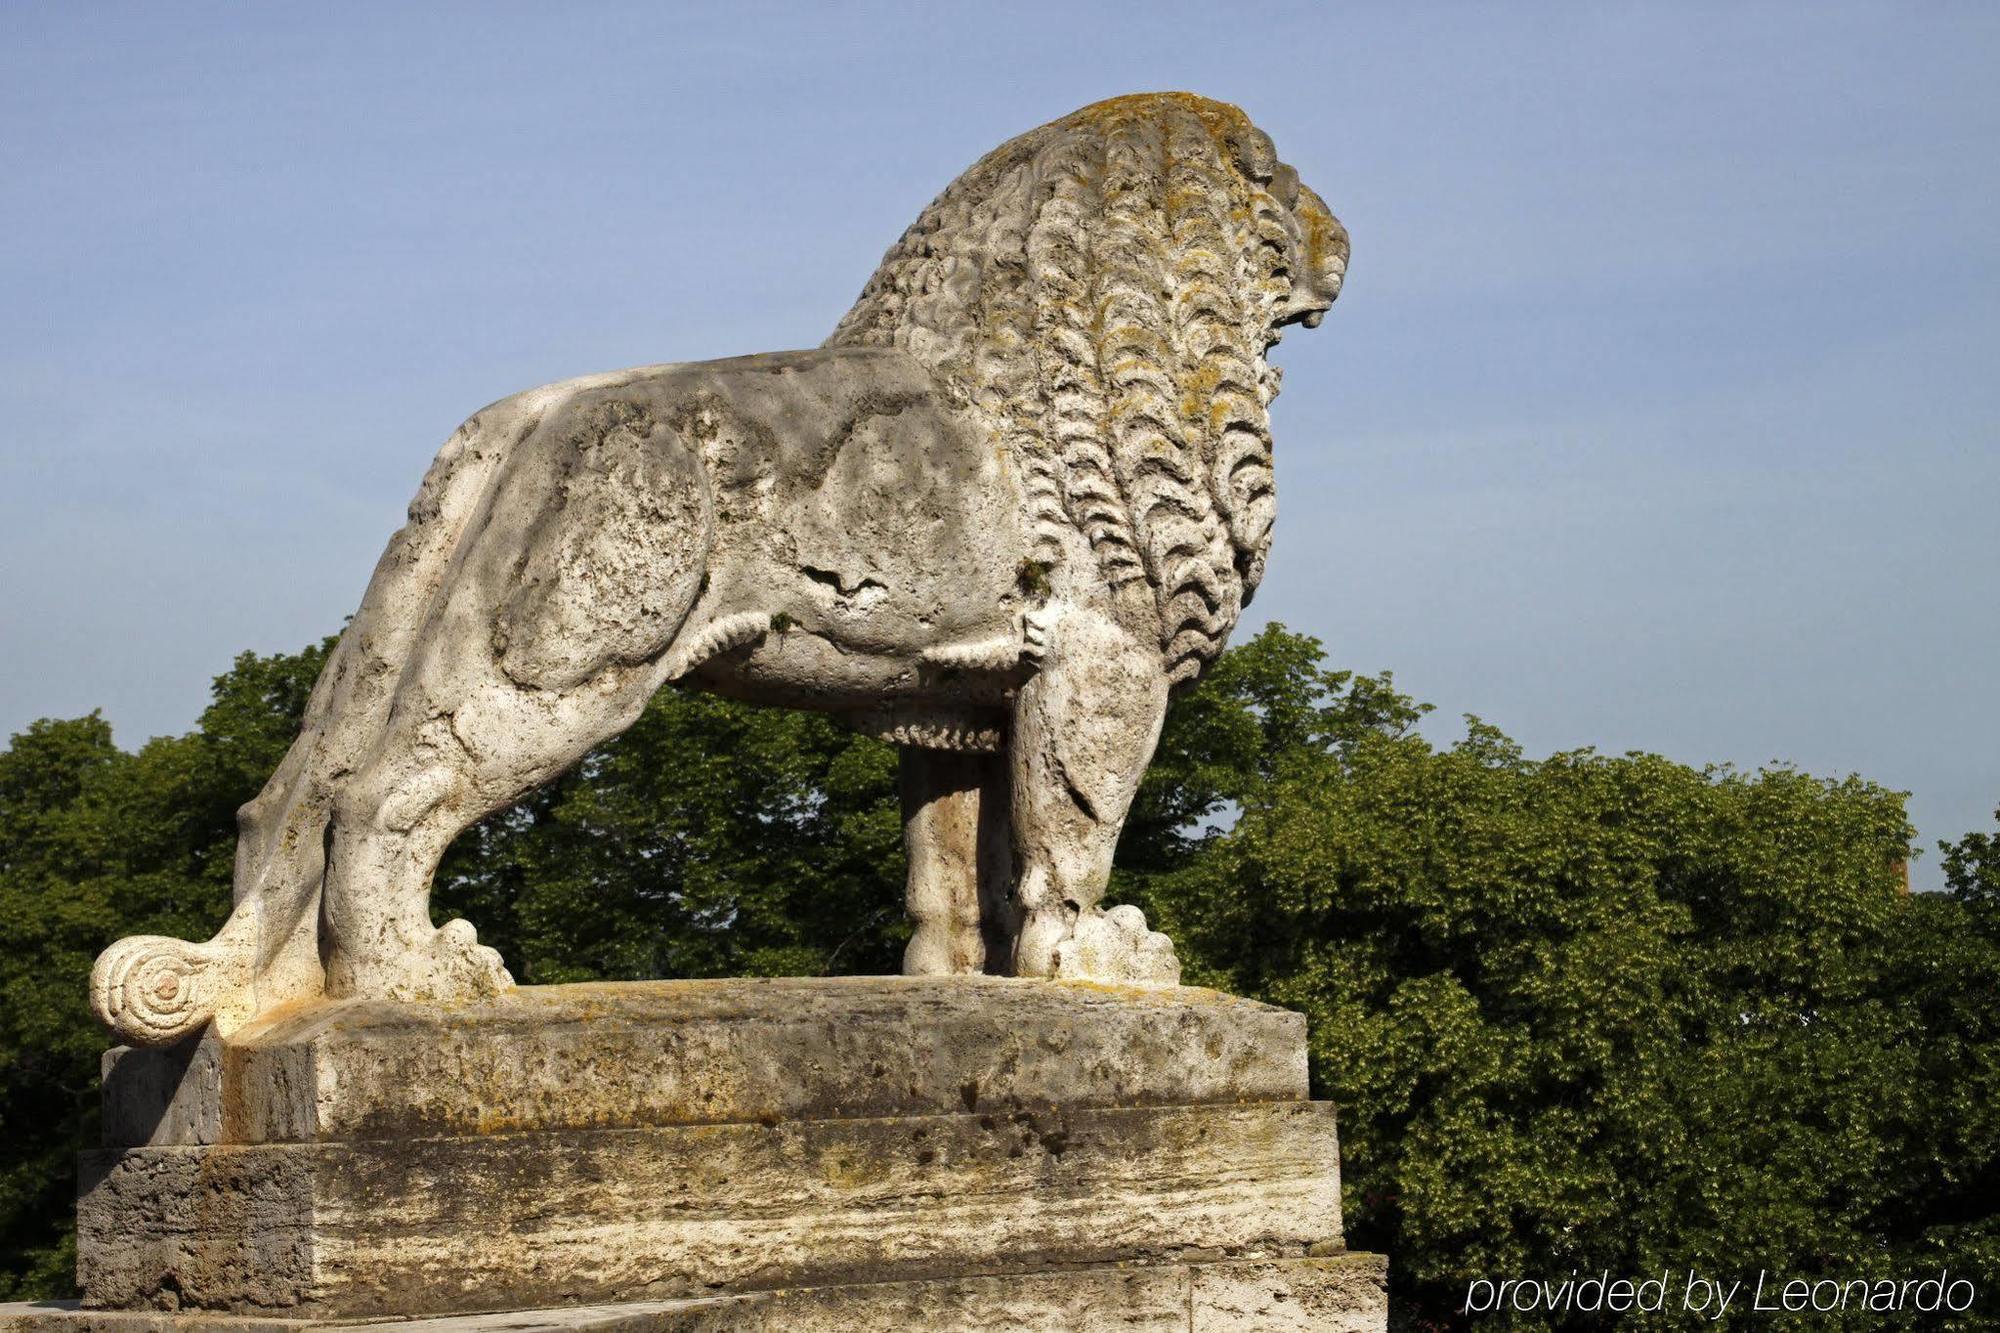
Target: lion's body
[832,493]
[1022,492]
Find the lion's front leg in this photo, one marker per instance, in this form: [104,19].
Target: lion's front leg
[1084,730]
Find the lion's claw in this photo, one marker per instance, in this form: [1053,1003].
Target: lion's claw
[1035,635]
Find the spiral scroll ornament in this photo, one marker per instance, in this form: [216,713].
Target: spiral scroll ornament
[153,990]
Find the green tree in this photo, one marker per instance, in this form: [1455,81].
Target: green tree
[1585,1012]
[711,839]
[1972,869]
[1947,968]
[96,842]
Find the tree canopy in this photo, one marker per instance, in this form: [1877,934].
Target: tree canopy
[1581,1012]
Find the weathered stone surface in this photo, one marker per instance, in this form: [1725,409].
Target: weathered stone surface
[785,1154]
[701,1052]
[506,1220]
[1344,1293]
[1023,490]
[1335,1294]
[163,1095]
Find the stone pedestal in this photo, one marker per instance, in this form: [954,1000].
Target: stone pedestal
[795,1154]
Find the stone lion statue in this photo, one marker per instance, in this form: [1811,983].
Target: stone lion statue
[1020,495]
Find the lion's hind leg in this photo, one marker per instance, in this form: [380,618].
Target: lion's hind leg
[459,755]
[392,822]
[561,619]
[153,990]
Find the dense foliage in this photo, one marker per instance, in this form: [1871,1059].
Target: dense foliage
[1592,1013]
[1583,1012]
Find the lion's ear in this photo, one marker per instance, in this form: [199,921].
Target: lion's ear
[1284,185]
[1256,156]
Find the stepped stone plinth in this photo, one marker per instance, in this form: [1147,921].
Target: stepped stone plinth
[860,1153]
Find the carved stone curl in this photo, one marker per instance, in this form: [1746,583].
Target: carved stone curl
[1022,493]
[153,989]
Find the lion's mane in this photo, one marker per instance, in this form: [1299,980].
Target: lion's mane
[1102,290]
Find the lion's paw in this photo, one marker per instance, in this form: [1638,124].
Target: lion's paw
[451,966]
[1116,947]
[461,968]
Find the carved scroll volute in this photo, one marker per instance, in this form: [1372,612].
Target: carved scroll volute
[153,990]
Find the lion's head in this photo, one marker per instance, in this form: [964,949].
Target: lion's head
[1103,290]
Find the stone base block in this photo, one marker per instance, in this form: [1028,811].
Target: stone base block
[724,1151]
[1337,1293]
[633,1054]
[515,1220]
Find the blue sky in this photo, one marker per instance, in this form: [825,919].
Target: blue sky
[1660,412]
